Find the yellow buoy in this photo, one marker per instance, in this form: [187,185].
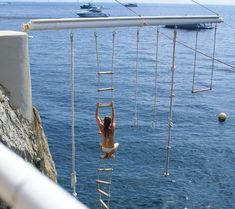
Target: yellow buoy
[222,117]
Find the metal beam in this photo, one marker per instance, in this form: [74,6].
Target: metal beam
[79,23]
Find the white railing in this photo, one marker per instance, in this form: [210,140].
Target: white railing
[23,187]
[79,23]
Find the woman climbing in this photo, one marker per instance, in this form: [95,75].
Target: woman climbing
[107,129]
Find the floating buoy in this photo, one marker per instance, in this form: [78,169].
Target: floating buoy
[222,117]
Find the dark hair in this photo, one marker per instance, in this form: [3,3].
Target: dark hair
[107,122]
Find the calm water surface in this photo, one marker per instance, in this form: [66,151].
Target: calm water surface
[202,164]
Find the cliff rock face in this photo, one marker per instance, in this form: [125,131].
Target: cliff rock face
[25,138]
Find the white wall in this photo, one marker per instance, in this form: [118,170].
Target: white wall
[15,70]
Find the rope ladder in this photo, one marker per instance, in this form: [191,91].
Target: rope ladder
[106,166]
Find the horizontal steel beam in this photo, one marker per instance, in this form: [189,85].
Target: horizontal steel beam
[79,23]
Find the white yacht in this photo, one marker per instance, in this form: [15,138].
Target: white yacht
[131,5]
[94,12]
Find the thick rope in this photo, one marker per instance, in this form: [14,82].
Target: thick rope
[110,180]
[113,58]
[73,174]
[155,84]
[112,69]
[170,119]
[98,62]
[136,77]
[195,61]
[98,98]
[213,57]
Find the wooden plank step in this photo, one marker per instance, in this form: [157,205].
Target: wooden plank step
[200,90]
[106,89]
[103,204]
[103,182]
[103,192]
[105,104]
[105,72]
[104,169]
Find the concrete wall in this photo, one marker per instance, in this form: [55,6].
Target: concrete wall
[15,70]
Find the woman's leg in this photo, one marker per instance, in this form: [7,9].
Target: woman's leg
[115,147]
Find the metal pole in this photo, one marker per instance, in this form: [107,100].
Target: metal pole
[170,120]
[79,23]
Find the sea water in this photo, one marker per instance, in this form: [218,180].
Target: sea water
[202,160]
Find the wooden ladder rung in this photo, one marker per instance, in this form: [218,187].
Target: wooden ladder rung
[105,169]
[103,203]
[200,90]
[106,89]
[105,104]
[103,182]
[103,192]
[105,72]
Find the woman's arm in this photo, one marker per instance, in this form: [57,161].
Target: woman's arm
[98,120]
[113,116]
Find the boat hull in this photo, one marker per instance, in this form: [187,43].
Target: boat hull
[190,26]
[89,14]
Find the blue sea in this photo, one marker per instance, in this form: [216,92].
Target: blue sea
[202,156]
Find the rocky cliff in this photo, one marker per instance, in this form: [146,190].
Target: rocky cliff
[25,138]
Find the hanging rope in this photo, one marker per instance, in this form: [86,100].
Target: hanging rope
[98,177]
[170,120]
[195,60]
[98,98]
[155,82]
[113,57]
[213,57]
[73,174]
[97,51]
[98,62]
[136,77]
[112,69]
[110,180]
